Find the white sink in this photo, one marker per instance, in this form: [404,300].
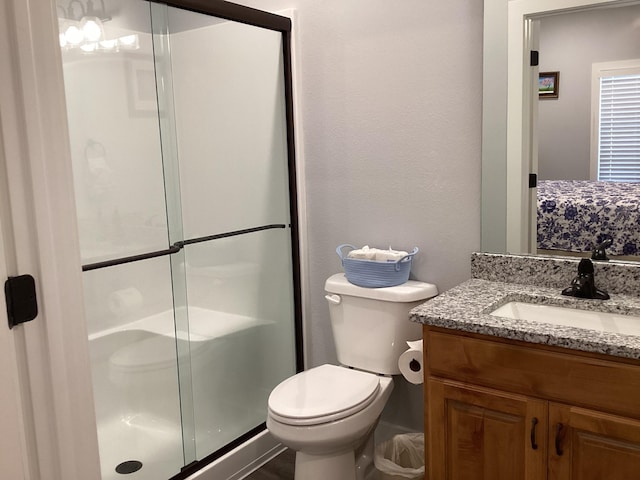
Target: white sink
[570,317]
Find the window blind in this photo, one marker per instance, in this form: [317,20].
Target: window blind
[619,129]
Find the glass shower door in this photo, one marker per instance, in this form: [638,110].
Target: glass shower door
[178,132]
[125,248]
[227,81]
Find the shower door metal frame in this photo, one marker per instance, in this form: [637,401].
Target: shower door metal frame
[258,18]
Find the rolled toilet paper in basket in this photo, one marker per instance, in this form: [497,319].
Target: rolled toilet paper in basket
[410,363]
[364,253]
[125,301]
[377,254]
[390,255]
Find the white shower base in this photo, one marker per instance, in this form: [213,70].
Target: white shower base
[138,404]
[154,442]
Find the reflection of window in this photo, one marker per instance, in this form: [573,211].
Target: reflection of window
[615,152]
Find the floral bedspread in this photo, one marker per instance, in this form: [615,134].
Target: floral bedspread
[577,215]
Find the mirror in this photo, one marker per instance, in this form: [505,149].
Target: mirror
[518,129]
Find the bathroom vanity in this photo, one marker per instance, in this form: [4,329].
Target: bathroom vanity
[508,398]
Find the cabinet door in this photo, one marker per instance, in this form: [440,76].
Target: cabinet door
[589,445]
[477,433]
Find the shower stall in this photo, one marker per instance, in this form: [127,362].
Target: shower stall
[180,120]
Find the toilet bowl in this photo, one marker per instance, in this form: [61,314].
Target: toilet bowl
[331,415]
[328,414]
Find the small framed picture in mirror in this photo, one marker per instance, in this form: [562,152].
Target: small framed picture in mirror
[548,84]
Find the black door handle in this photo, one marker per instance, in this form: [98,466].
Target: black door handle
[534,444]
[560,433]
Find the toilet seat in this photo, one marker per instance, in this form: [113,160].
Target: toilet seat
[322,394]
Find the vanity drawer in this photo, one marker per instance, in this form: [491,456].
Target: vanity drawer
[554,375]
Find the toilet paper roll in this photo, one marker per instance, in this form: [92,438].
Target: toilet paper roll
[410,363]
[124,302]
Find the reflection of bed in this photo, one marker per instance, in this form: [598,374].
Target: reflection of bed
[576,215]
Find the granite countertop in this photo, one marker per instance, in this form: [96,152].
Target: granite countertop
[467,306]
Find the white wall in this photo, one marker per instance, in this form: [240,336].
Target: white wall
[391,103]
[571,43]
[391,108]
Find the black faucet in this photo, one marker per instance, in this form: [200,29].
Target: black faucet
[583,285]
[599,253]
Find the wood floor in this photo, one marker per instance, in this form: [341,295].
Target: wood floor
[280,468]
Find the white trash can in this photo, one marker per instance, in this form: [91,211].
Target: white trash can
[401,458]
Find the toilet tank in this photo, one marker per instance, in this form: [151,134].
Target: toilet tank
[371,325]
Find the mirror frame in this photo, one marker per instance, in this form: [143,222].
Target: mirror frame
[507,119]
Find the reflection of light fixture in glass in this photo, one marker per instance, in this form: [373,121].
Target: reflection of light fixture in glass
[129,41]
[108,44]
[81,24]
[89,47]
[92,29]
[73,35]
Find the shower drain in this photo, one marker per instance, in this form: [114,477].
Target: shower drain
[130,466]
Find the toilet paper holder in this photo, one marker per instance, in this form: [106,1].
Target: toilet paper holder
[410,363]
[415,366]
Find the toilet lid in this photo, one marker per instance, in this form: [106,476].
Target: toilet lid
[322,394]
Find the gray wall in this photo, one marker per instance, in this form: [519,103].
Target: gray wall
[570,43]
[391,96]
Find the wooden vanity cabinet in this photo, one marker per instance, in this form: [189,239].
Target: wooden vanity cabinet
[477,433]
[497,409]
[591,445]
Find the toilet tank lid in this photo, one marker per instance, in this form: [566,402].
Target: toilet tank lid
[410,291]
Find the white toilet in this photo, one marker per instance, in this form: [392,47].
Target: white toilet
[328,414]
